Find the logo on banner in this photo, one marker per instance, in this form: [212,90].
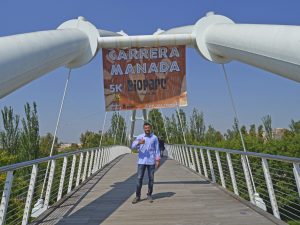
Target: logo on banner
[148,77]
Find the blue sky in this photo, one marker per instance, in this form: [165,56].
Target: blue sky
[256,92]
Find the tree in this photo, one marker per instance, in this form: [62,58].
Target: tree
[197,125]
[252,131]
[244,130]
[117,129]
[90,139]
[212,136]
[9,138]
[295,127]
[29,138]
[46,143]
[157,122]
[267,123]
[182,123]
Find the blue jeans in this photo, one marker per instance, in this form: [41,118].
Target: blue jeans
[140,173]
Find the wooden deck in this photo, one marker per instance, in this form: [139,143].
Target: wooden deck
[180,197]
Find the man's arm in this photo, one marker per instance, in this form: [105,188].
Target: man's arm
[157,153]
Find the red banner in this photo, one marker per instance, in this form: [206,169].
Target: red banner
[148,77]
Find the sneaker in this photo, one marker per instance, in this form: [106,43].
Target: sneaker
[136,200]
[149,198]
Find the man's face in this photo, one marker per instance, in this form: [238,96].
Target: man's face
[147,129]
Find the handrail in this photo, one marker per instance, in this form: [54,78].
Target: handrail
[255,154]
[45,159]
[67,171]
[276,179]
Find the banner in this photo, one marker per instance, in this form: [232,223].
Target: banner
[148,77]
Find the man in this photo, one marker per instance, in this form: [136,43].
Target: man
[161,146]
[148,158]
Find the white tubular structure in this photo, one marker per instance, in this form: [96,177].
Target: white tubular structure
[273,48]
[26,57]
[146,40]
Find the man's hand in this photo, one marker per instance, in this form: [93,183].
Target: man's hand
[141,142]
[157,164]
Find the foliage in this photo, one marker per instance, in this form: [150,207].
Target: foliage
[157,122]
[117,130]
[29,138]
[9,138]
[46,144]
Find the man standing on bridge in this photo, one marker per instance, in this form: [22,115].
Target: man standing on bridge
[148,157]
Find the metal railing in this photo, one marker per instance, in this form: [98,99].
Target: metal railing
[271,182]
[21,183]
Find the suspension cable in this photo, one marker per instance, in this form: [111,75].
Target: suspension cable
[165,125]
[237,124]
[117,128]
[56,127]
[102,131]
[181,125]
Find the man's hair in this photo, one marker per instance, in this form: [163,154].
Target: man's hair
[147,124]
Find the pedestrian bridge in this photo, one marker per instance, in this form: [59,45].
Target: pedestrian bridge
[194,185]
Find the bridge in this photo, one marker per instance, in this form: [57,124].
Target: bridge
[195,184]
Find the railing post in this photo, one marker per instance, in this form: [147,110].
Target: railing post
[49,186]
[270,188]
[6,195]
[181,155]
[87,155]
[186,163]
[187,149]
[72,174]
[296,170]
[170,152]
[211,167]
[101,157]
[109,155]
[220,169]
[98,159]
[198,161]
[248,179]
[203,163]
[193,158]
[91,163]
[104,156]
[176,153]
[232,175]
[95,161]
[30,194]
[79,169]
[62,178]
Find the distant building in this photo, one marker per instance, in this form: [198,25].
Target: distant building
[278,133]
[63,146]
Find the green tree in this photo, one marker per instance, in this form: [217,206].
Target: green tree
[295,127]
[267,122]
[29,138]
[157,122]
[90,139]
[46,143]
[212,136]
[117,129]
[252,130]
[197,125]
[9,138]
